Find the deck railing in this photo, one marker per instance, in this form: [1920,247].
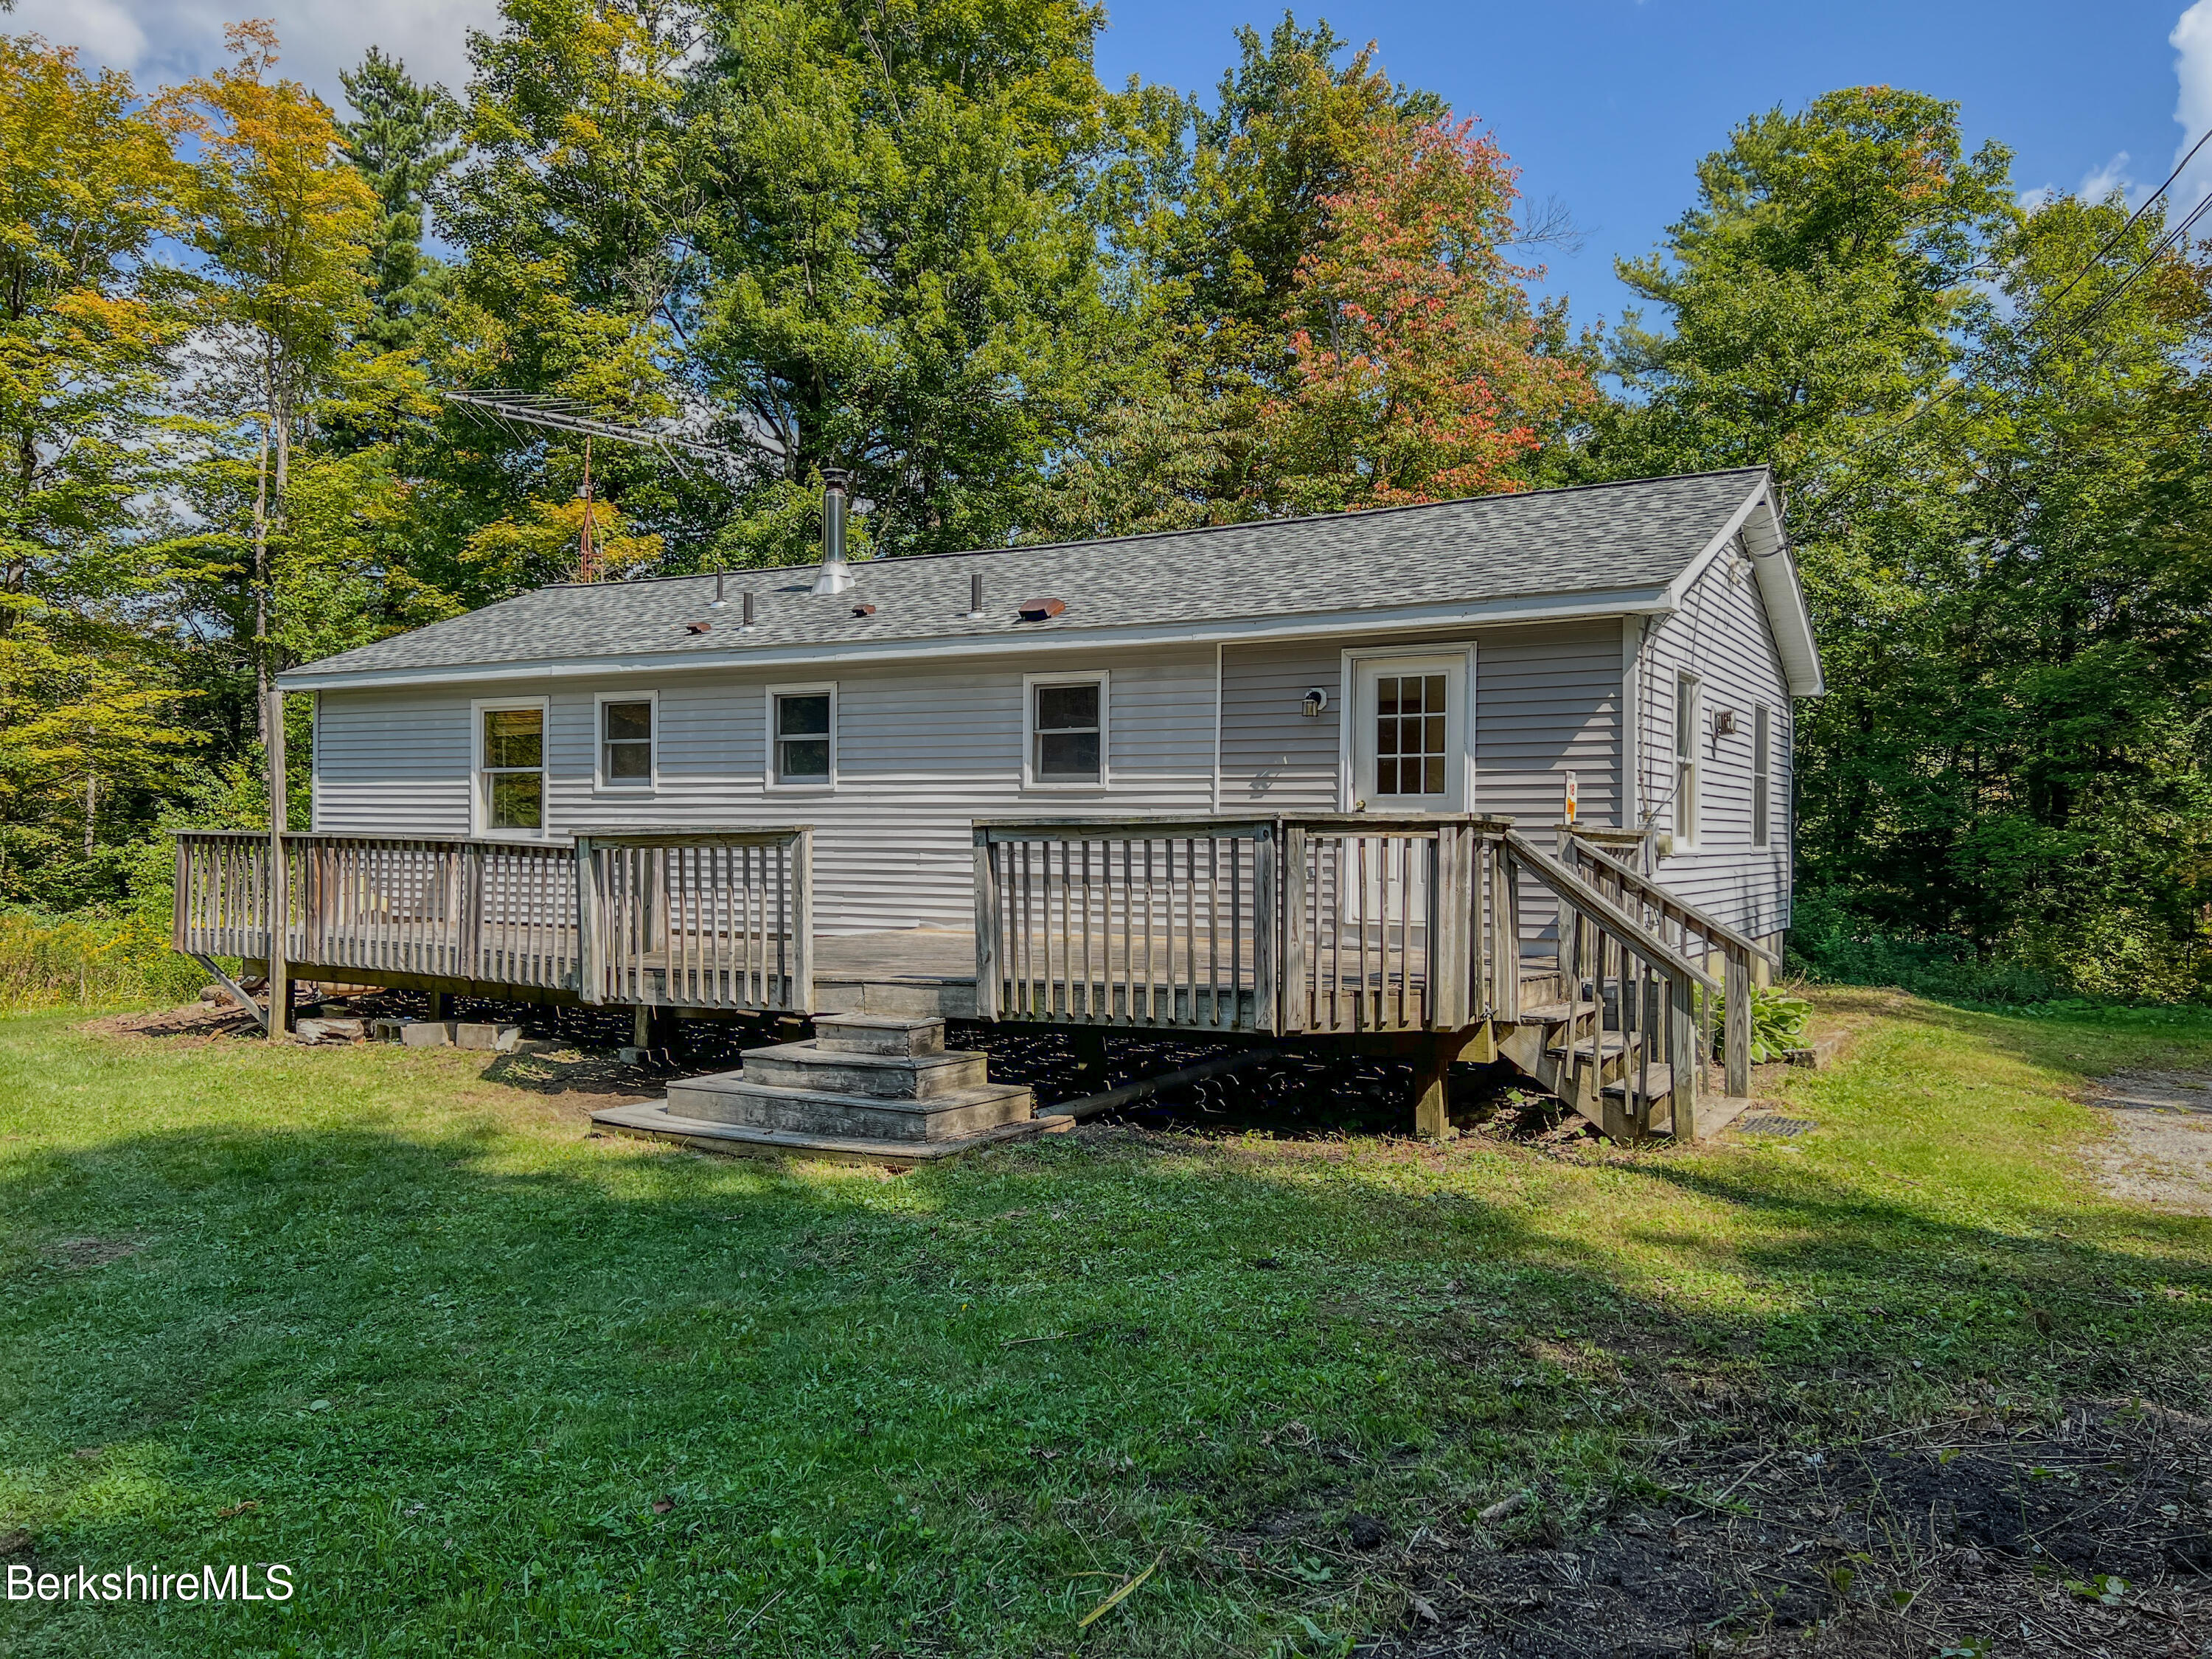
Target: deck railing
[1612,865]
[1159,922]
[1338,924]
[721,921]
[1627,999]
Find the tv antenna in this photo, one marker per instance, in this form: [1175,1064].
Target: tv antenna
[502,406]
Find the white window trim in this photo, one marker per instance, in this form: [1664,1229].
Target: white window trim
[1347,709]
[1104,681]
[1762,777]
[601,783]
[1689,761]
[478,800]
[807,786]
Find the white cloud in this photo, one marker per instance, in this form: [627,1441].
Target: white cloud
[164,41]
[2100,182]
[2191,40]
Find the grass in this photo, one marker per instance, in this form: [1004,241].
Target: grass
[491,1387]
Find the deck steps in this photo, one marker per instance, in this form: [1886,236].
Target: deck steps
[878,1086]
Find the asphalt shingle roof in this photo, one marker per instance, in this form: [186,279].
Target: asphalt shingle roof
[1592,538]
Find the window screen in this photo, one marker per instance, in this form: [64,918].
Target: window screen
[1065,733]
[1762,767]
[1689,719]
[802,737]
[626,742]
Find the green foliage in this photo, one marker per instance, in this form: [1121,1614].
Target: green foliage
[2002,518]
[90,958]
[1779,1022]
[402,140]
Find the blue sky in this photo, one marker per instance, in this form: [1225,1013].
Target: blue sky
[1605,104]
[1608,104]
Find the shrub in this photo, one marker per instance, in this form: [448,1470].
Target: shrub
[92,958]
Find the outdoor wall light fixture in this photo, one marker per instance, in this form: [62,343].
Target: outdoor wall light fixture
[1313,702]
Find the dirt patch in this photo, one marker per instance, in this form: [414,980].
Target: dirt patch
[203,1022]
[2090,1535]
[2160,1152]
[75,1255]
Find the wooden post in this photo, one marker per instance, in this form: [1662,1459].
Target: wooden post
[1267,935]
[1452,905]
[987,930]
[588,971]
[279,884]
[1432,1058]
[1737,1043]
[802,923]
[1682,1056]
[1296,1013]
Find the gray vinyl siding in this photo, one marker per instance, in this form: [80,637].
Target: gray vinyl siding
[1721,635]
[920,752]
[392,763]
[1547,701]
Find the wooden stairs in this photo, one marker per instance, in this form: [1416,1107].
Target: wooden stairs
[1605,1074]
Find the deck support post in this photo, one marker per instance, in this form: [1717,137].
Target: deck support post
[640,1027]
[1736,1000]
[279,888]
[441,1004]
[1433,1057]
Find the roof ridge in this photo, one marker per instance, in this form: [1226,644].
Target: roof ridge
[1195,530]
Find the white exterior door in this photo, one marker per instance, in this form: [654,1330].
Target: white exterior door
[1409,734]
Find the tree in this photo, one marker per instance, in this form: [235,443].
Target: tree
[402,140]
[1418,370]
[1999,514]
[281,221]
[898,278]
[88,320]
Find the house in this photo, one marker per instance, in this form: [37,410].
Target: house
[1616,663]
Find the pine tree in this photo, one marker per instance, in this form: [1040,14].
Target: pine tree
[402,141]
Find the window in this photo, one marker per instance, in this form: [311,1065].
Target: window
[1689,724]
[1068,732]
[1409,734]
[1762,743]
[626,742]
[511,769]
[805,735]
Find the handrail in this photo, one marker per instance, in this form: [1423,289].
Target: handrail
[1569,885]
[1652,893]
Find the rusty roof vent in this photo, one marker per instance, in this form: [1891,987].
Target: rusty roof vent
[1042,609]
[864,610]
[696,627]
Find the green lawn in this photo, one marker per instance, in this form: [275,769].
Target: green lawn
[490,1386]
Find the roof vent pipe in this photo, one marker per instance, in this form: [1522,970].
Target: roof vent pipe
[835,576]
[975,594]
[718,600]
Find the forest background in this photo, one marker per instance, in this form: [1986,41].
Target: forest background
[925,243]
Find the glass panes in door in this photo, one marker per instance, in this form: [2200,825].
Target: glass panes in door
[1410,722]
